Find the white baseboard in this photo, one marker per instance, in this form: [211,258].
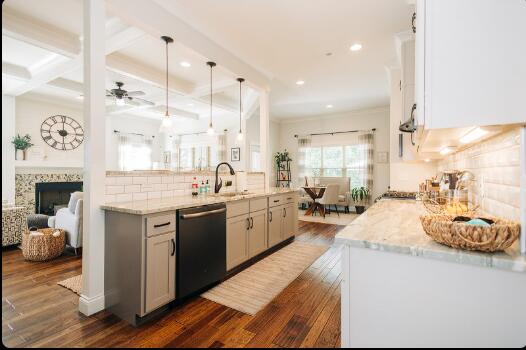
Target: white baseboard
[89,306]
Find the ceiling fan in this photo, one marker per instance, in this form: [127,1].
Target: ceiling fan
[123,97]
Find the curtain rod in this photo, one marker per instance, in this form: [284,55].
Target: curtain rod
[195,133]
[336,132]
[131,133]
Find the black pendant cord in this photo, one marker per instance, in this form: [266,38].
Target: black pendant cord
[241,80]
[166,114]
[212,65]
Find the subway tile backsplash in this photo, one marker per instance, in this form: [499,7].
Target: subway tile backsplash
[136,186]
[495,163]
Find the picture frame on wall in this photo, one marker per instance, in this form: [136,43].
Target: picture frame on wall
[235,154]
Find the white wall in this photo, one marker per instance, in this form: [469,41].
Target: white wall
[30,113]
[359,120]
[404,176]
[275,146]
[8,151]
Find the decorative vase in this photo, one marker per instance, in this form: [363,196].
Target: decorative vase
[16,154]
[24,154]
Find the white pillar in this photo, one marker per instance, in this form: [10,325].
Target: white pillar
[8,150]
[264,126]
[523,189]
[92,297]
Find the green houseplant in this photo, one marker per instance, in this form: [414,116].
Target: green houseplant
[22,143]
[360,196]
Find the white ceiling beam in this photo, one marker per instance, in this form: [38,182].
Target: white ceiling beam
[156,21]
[124,65]
[176,112]
[115,41]
[66,84]
[15,71]
[219,86]
[250,104]
[220,101]
[35,32]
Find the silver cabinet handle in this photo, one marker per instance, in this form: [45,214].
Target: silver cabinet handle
[203,213]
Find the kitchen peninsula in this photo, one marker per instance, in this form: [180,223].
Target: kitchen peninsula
[401,289]
[163,250]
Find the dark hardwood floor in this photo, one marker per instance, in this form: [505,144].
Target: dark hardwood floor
[36,312]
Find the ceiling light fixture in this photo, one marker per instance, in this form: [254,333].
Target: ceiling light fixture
[329,106]
[300,82]
[356,47]
[210,130]
[427,160]
[240,134]
[119,102]
[473,135]
[166,123]
[185,64]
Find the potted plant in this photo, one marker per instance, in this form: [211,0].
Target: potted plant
[22,143]
[360,196]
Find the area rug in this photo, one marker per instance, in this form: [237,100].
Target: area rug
[74,284]
[252,289]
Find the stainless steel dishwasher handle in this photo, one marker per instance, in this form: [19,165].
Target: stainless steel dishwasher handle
[203,214]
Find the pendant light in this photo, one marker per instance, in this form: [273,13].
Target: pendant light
[210,130]
[240,134]
[166,123]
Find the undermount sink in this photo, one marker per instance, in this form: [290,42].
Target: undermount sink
[230,194]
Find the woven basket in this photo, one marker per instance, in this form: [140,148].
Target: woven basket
[497,237]
[44,247]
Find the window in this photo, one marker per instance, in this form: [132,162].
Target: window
[135,153]
[335,161]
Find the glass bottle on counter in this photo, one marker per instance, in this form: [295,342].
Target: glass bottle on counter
[195,187]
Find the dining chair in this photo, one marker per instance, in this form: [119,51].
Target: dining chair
[330,197]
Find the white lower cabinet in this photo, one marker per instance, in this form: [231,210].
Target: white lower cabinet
[257,234]
[237,240]
[160,271]
[289,221]
[275,233]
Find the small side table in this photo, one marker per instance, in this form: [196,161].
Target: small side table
[13,225]
[315,192]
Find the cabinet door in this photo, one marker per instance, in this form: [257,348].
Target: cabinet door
[288,221]
[236,241]
[160,271]
[275,232]
[257,235]
[474,54]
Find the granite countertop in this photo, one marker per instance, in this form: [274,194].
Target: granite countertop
[394,226]
[152,206]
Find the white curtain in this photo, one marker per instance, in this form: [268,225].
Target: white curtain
[304,143]
[367,142]
[134,152]
[221,148]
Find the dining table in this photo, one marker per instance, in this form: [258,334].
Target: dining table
[315,193]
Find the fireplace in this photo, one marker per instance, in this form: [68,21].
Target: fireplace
[51,196]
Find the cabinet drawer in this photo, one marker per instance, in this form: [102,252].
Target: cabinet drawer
[237,208]
[289,197]
[258,204]
[274,201]
[158,224]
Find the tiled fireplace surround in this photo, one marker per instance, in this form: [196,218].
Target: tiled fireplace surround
[132,186]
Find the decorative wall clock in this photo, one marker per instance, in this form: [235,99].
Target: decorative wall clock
[62,132]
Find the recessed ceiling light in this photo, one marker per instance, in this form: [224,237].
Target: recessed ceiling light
[80,97]
[329,106]
[446,150]
[427,160]
[190,105]
[356,47]
[300,82]
[185,64]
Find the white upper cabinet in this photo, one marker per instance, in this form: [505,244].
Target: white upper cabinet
[470,62]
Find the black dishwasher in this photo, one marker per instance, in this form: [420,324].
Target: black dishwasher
[201,248]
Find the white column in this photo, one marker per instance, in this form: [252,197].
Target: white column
[523,189]
[92,297]
[8,150]
[264,126]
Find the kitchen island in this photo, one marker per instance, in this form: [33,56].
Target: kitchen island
[402,289]
[161,251]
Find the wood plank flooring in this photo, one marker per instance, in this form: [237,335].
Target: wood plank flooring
[36,312]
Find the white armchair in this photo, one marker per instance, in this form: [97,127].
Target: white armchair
[70,220]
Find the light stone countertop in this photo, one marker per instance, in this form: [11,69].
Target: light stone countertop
[153,206]
[394,226]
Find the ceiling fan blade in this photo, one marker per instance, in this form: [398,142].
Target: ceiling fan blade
[132,102]
[143,101]
[136,93]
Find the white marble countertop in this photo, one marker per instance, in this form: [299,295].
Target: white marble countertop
[394,226]
[152,206]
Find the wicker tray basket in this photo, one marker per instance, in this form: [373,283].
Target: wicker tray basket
[499,236]
[44,247]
